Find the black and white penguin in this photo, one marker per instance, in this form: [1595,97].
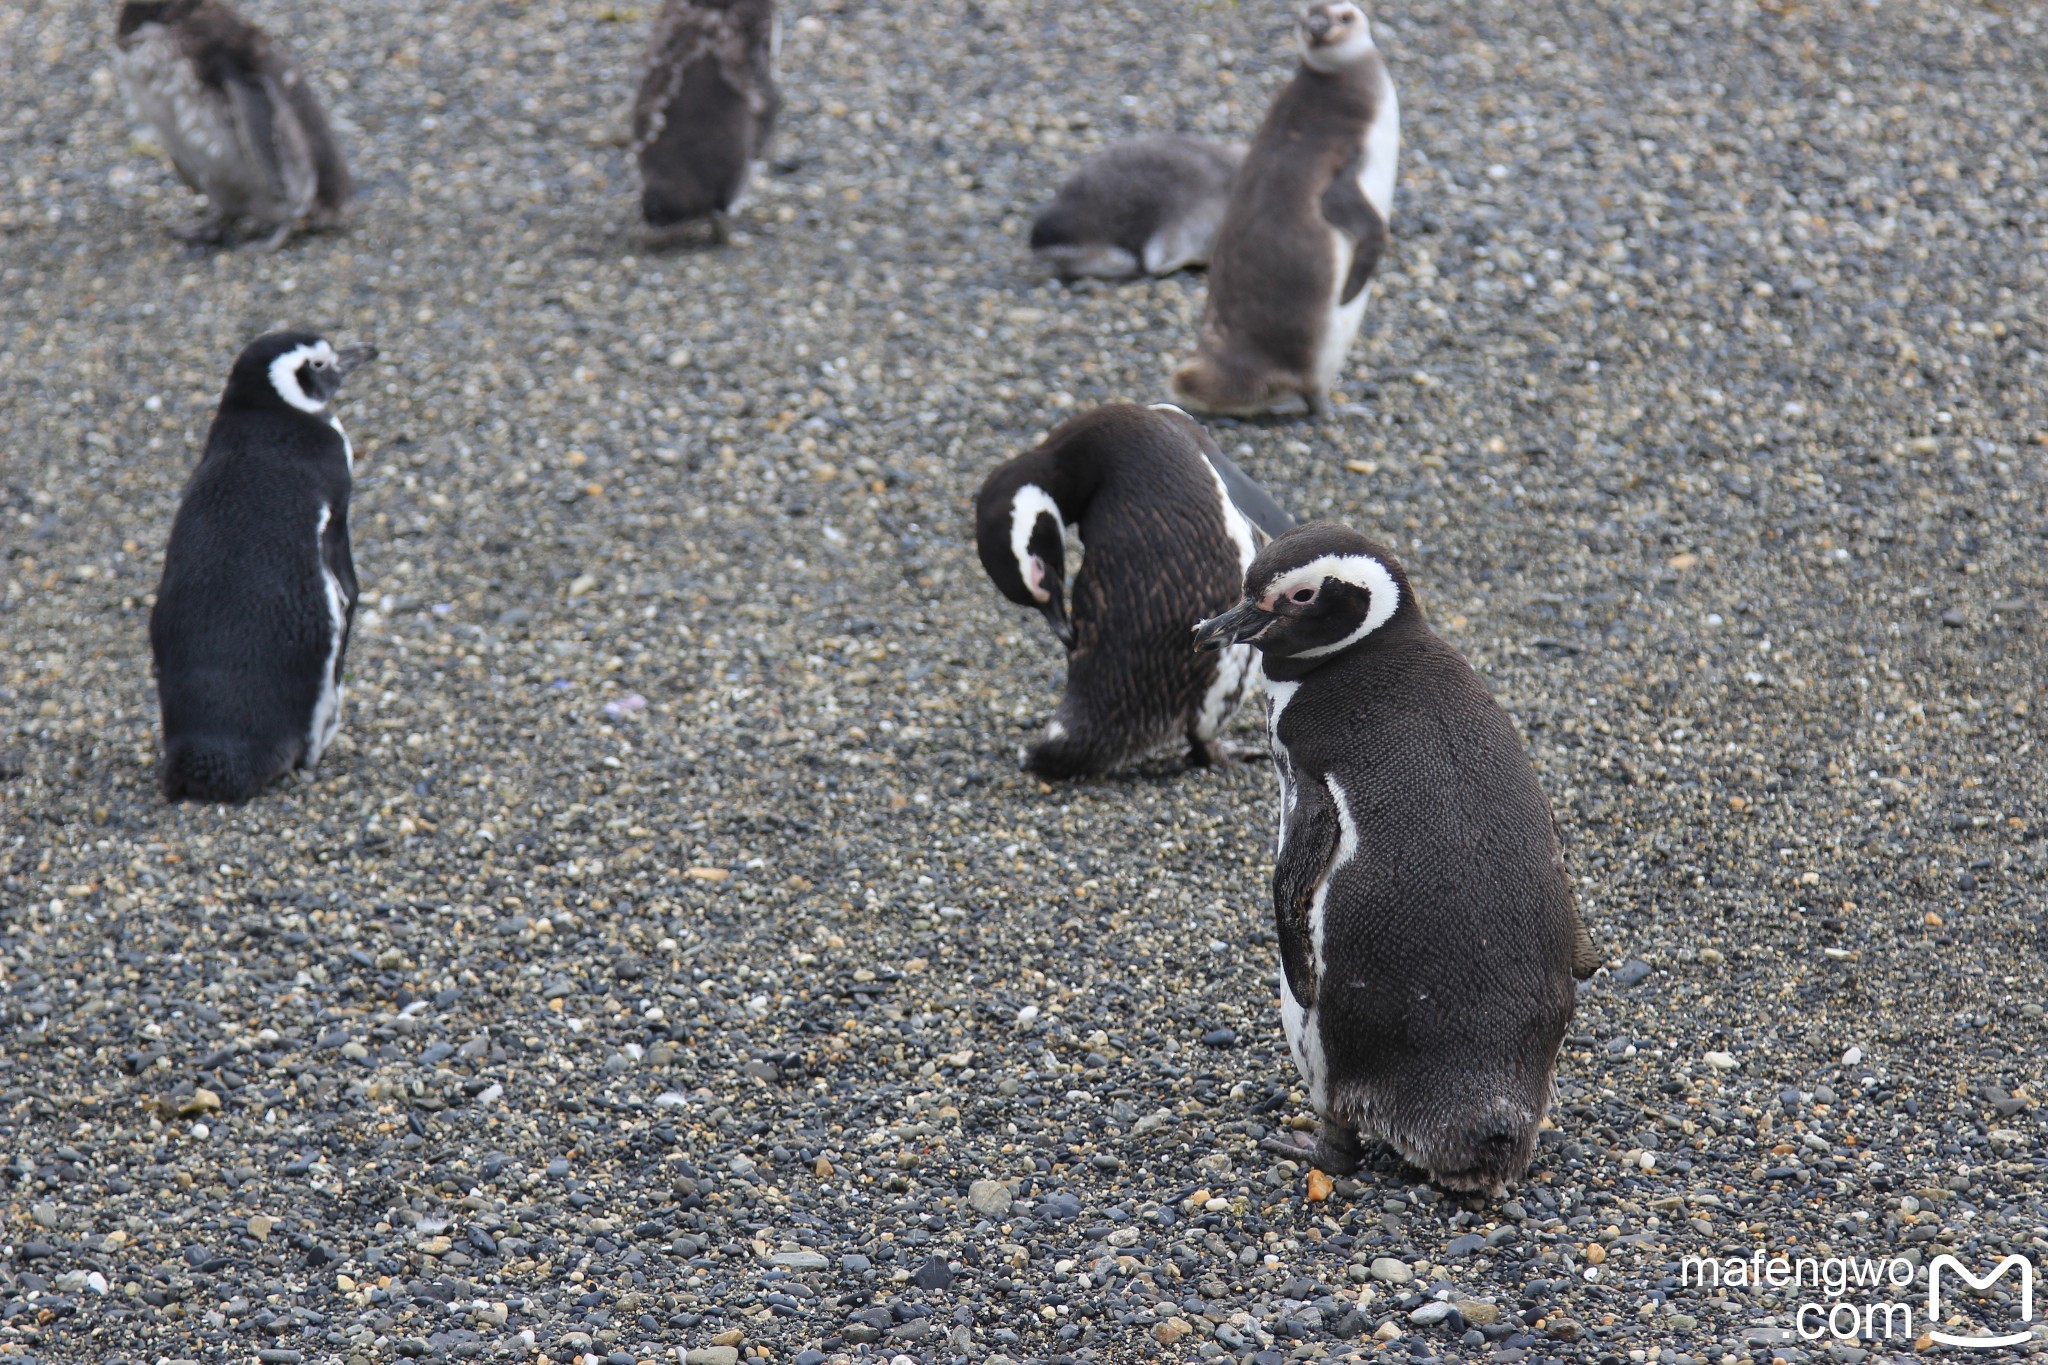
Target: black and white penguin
[1168,525]
[252,616]
[1308,216]
[1145,206]
[1429,936]
[706,104]
[242,124]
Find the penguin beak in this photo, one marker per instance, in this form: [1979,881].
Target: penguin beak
[1055,609]
[352,357]
[1317,25]
[1242,623]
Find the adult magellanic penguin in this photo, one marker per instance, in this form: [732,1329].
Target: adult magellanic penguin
[240,121]
[706,104]
[1429,936]
[252,616]
[1144,206]
[1294,258]
[1168,525]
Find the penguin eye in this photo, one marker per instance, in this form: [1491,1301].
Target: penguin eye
[1304,594]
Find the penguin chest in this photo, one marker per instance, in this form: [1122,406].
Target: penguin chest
[165,92]
[326,718]
[1379,151]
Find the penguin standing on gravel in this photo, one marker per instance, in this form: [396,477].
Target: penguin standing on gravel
[1429,936]
[1145,206]
[1169,525]
[240,121]
[252,616]
[706,104]
[1308,215]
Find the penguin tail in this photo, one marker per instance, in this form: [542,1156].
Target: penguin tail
[1493,1154]
[1057,757]
[196,770]
[1206,386]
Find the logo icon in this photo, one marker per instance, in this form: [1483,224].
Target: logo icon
[1940,1263]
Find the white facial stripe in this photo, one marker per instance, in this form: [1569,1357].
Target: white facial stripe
[1360,571]
[1028,504]
[284,374]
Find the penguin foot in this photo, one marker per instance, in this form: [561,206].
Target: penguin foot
[721,229]
[1336,1150]
[204,232]
[1222,753]
[276,240]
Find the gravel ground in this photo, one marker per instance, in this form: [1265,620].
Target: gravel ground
[777,1015]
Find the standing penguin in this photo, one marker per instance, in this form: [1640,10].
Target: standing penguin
[706,104]
[240,121]
[1169,525]
[1145,206]
[1308,215]
[252,616]
[1428,933]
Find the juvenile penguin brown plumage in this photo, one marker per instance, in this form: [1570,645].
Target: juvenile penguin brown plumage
[706,105]
[241,122]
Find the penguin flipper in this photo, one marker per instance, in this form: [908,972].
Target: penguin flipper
[1256,504]
[1346,208]
[1310,845]
[255,105]
[330,170]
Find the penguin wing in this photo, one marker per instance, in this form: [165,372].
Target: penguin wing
[1346,209]
[256,103]
[1258,508]
[1305,857]
[330,169]
[1585,957]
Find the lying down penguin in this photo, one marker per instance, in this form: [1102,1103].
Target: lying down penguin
[1428,933]
[1169,526]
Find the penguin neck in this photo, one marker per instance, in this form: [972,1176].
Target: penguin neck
[1407,628]
[1067,476]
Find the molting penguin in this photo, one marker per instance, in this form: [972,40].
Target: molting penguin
[706,104]
[252,616]
[241,123]
[1308,215]
[1168,524]
[1428,932]
[1149,205]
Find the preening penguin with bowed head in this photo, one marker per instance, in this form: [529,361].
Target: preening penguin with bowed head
[1169,525]
[1429,936]
[259,586]
[1294,259]
[241,122]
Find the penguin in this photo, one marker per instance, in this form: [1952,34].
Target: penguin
[252,617]
[1145,206]
[1429,937]
[242,124]
[706,104]
[1307,221]
[1169,525]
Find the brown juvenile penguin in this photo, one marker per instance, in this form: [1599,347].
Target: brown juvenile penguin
[1293,261]
[706,104]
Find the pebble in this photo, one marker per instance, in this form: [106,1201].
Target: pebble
[990,1198]
[712,1355]
[1389,1270]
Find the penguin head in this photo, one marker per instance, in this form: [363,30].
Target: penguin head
[135,13]
[295,370]
[1334,35]
[1314,592]
[1022,538]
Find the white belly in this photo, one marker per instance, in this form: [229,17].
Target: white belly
[1305,1041]
[327,706]
[1376,183]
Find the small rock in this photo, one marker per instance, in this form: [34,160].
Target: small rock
[1219,1037]
[1479,1312]
[260,1225]
[1389,1270]
[989,1198]
[1464,1244]
[1172,1330]
[933,1275]
[1632,973]
[713,1355]
[799,1260]
[1430,1314]
[1319,1186]
[1722,1061]
[1562,1329]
